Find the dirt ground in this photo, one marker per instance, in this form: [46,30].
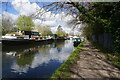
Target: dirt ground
[93,65]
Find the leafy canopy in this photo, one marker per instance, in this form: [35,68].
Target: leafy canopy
[60,31]
[45,31]
[25,23]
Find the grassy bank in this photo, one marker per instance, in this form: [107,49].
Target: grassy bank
[110,55]
[64,70]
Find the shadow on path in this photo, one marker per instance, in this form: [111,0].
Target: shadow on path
[93,64]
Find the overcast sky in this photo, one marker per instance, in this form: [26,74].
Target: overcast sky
[24,7]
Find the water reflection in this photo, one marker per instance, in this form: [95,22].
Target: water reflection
[23,59]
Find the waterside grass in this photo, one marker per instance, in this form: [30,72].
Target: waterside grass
[63,71]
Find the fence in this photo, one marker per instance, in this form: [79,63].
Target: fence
[105,40]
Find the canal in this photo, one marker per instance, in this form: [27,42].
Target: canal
[39,60]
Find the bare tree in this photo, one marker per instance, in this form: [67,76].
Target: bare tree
[76,9]
[6,25]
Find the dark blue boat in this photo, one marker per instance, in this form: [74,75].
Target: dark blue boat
[77,41]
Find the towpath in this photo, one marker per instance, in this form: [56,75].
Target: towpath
[93,65]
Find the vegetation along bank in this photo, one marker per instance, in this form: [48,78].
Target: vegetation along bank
[64,70]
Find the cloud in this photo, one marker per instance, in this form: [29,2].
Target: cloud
[53,54]
[17,69]
[10,16]
[54,21]
[48,55]
[54,29]
[49,23]
[24,7]
[37,21]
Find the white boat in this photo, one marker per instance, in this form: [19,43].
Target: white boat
[11,53]
[12,36]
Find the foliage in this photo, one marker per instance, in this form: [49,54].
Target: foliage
[64,70]
[105,19]
[60,31]
[15,29]
[99,17]
[25,23]
[23,59]
[44,30]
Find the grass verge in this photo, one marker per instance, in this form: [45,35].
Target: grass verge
[110,55]
[64,70]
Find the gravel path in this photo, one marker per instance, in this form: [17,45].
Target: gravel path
[93,65]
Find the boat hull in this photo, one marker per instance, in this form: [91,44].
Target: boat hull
[22,41]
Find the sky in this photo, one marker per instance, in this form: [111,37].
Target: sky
[15,8]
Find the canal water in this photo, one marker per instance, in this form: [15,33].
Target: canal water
[34,61]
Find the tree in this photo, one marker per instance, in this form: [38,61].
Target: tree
[25,23]
[6,25]
[99,17]
[60,31]
[104,18]
[45,31]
